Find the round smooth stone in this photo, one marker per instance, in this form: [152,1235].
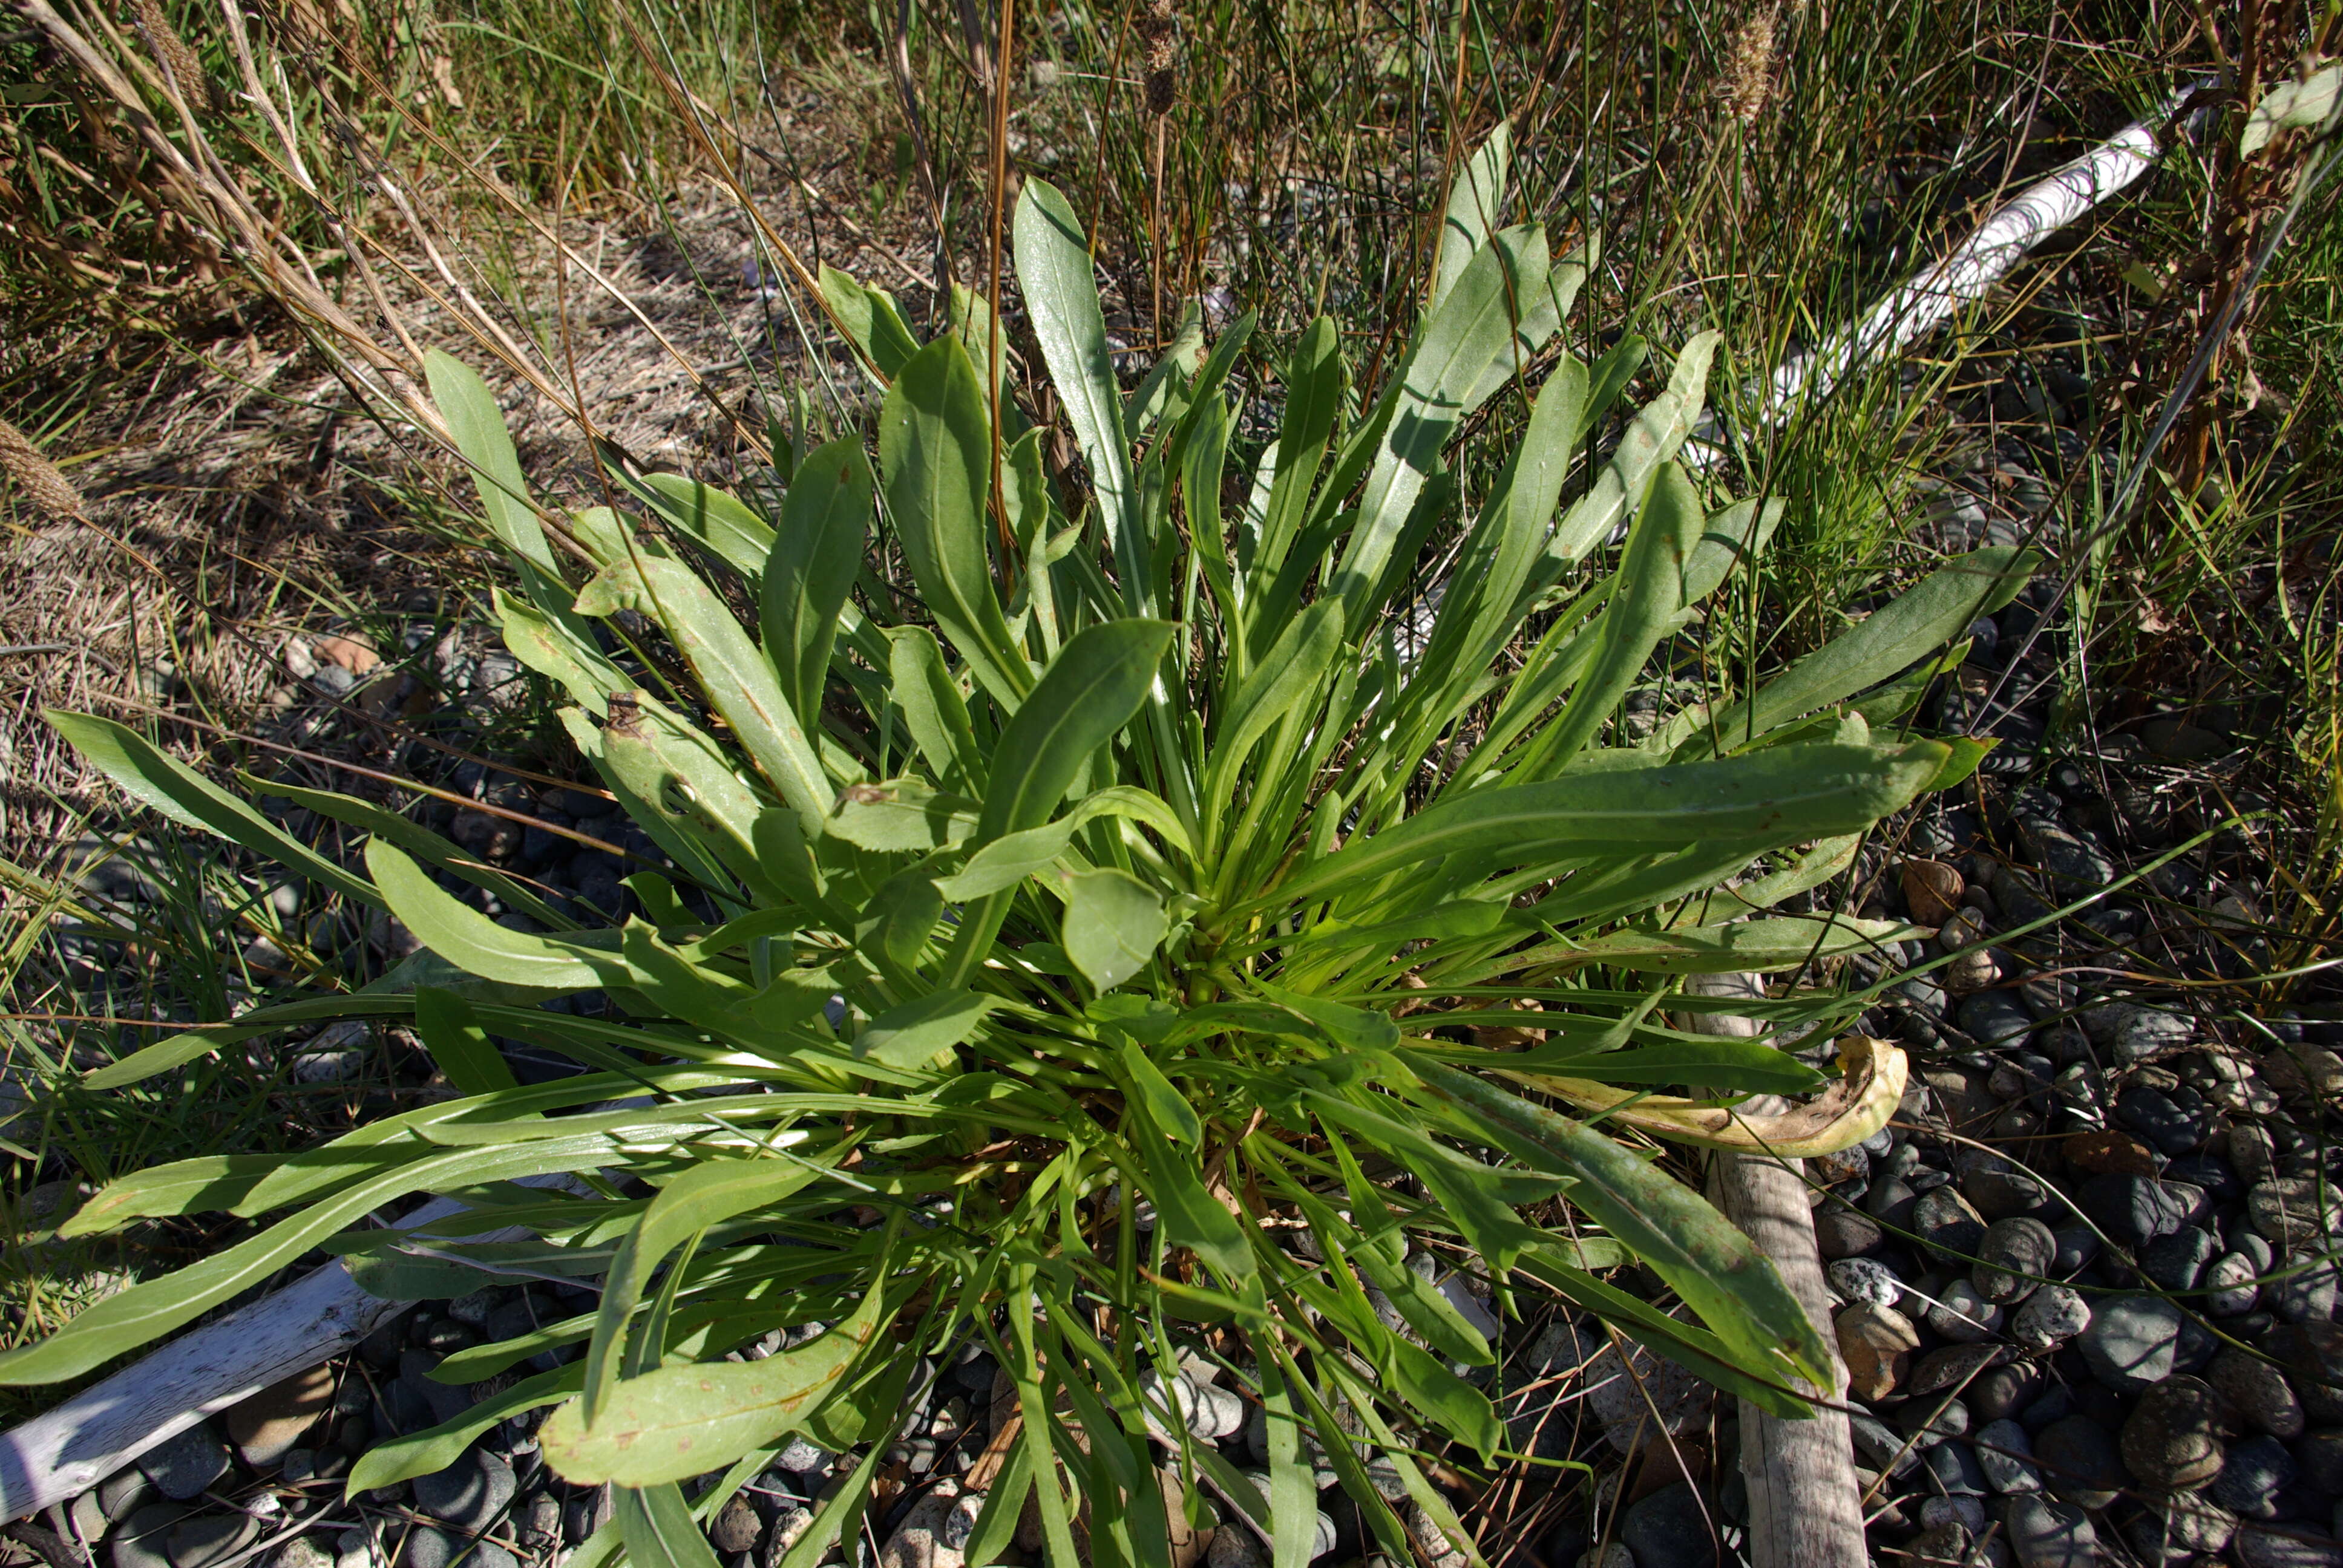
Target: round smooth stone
[2050,1316]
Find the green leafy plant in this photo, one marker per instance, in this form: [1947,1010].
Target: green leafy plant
[1076,925]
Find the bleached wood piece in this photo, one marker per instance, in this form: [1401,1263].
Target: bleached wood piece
[1961,278]
[1805,1509]
[64,1451]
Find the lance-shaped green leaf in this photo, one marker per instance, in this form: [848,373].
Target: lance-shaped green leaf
[1315,381]
[1782,942]
[380,999]
[911,1035]
[1012,858]
[715,520]
[451,1033]
[1475,201]
[434,1449]
[1564,1262]
[935,456]
[470,939]
[557,647]
[901,815]
[1795,792]
[1652,438]
[185,797]
[1723,1066]
[1652,591]
[1717,1270]
[1289,675]
[1473,326]
[478,426]
[154,1307]
[1113,922]
[1090,691]
[1054,270]
[730,671]
[933,709]
[1190,1216]
[1483,601]
[811,566]
[203,1185]
[706,1195]
[1166,1106]
[1909,627]
[675,775]
[430,848]
[682,1420]
[659,1529]
[871,321]
[687,847]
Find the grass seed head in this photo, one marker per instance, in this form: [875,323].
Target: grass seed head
[1747,84]
[185,67]
[37,479]
[1158,27]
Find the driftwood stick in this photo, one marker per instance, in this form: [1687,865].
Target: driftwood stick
[64,1451]
[1805,1508]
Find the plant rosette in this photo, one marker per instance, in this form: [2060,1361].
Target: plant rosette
[1106,899]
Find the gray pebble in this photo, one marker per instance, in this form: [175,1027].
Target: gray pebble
[2172,1439]
[142,1540]
[800,1456]
[2000,1188]
[2078,1246]
[2291,1212]
[201,1540]
[2183,1524]
[469,1494]
[2257,1389]
[2319,1457]
[2132,1342]
[1880,1445]
[1845,1232]
[301,1551]
[2231,1284]
[1947,1224]
[2286,1546]
[182,1467]
[1864,1279]
[2012,1256]
[1669,1529]
[2258,1469]
[2006,1454]
[2175,1261]
[1967,1513]
[1953,1469]
[2080,1462]
[2305,1290]
[2052,1315]
[123,1491]
[2136,1210]
[1994,1017]
[1928,1421]
[736,1527]
[2047,1534]
[1962,1315]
